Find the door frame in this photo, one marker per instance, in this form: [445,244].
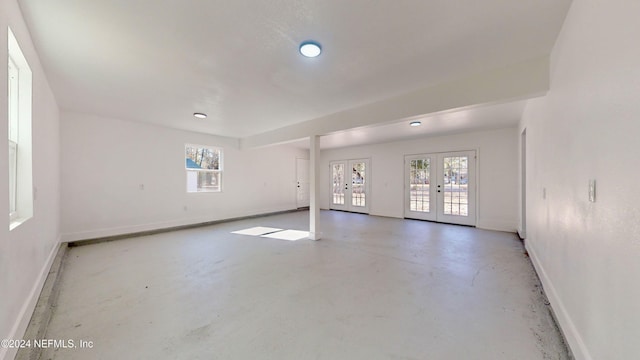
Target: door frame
[436,200]
[408,213]
[523,185]
[348,204]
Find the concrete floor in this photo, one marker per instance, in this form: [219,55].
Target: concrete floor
[373,288]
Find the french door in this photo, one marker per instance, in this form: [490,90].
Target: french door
[441,187]
[350,185]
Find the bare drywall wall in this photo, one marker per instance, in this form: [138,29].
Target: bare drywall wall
[26,252]
[121,177]
[585,129]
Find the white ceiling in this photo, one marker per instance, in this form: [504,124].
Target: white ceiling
[443,123]
[160,61]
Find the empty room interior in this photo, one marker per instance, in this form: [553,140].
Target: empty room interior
[320,179]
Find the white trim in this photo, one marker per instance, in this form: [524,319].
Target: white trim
[131,229]
[496,225]
[571,334]
[522,234]
[24,317]
[21,121]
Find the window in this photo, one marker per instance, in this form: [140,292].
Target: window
[19,135]
[204,168]
[13,137]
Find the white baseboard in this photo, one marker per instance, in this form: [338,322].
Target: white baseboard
[116,231]
[522,234]
[24,317]
[497,225]
[568,328]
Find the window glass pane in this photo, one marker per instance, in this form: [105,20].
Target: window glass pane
[13,161]
[456,192]
[338,184]
[203,181]
[419,173]
[19,108]
[202,158]
[204,165]
[358,179]
[13,100]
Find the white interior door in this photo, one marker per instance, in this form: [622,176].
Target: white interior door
[350,185]
[441,187]
[302,183]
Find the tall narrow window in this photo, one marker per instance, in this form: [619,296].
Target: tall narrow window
[204,168]
[13,137]
[19,140]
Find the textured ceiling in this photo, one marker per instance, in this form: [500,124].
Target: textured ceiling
[160,61]
[473,119]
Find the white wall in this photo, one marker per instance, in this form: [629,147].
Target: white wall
[497,173]
[105,162]
[587,127]
[26,252]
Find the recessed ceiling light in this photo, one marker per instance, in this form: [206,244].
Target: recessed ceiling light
[200,115]
[310,49]
[415,123]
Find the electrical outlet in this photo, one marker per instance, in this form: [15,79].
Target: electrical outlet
[544,193]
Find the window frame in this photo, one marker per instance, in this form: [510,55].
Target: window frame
[218,172]
[19,139]
[13,120]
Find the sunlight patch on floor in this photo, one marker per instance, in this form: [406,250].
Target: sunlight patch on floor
[274,233]
[291,235]
[256,231]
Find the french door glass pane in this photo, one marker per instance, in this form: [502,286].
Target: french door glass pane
[338,181]
[358,179]
[419,173]
[456,193]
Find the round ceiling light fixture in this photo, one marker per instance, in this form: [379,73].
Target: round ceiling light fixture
[310,49]
[415,123]
[200,115]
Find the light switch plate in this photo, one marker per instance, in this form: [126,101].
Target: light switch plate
[592,190]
